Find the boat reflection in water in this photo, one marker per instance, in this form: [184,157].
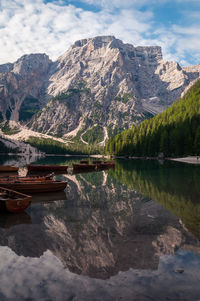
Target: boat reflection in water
[8,174]
[105,241]
[8,220]
[42,198]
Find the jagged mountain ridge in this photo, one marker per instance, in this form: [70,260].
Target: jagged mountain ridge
[98,81]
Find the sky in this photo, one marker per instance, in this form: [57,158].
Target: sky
[51,26]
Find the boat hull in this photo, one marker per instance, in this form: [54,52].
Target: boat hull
[35,187]
[97,162]
[13,201]
[26,178]
[7,168]
[105,165]
[43,168]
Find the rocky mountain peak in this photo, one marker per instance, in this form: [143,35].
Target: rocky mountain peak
[30,63]
[96,42]
[6,67]
[112,42]
[144,52]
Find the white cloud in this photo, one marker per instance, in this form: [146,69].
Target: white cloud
[192,30]
[51,28]
[30,26]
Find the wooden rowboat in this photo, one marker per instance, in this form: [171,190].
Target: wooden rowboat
[110,163]
[34,186]
[43,168]
[8,168]
[27,178]
[83,166]
[13,201]
[96,162]
[48,197]
[105,165]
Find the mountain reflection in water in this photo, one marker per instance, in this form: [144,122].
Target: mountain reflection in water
[109,232]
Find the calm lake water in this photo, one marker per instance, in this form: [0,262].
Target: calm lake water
[132,233]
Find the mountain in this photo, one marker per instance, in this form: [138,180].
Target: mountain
[99,87]
[175,132]
[28,154]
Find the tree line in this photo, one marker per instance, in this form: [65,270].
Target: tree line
[50,146]
[175,132]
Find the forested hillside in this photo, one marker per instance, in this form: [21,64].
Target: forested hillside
[175,132]
[50,146]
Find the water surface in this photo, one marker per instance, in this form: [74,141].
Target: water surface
[125,234]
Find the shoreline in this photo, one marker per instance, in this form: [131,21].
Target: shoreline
[53,155]
[189,159]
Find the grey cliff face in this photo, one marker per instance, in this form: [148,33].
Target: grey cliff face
[21,80]
[98,80]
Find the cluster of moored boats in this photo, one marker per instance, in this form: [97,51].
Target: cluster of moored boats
[83,165]
[95,165]
[16,191]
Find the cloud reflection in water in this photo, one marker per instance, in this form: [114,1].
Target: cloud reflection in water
[44,278]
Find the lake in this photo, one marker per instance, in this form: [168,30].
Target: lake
[129,233]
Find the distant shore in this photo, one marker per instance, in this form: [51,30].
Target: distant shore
[189,159]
